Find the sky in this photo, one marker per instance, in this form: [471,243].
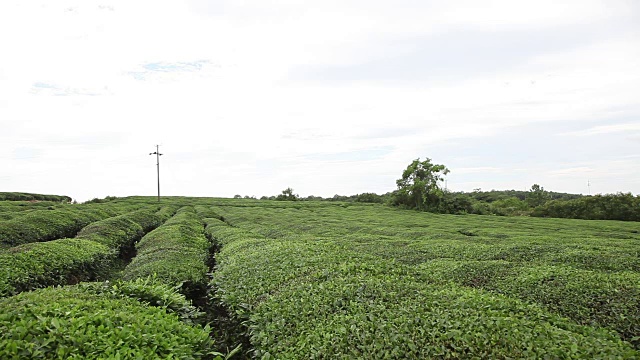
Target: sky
[326,97]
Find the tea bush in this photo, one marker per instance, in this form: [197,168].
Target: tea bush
[121,231]
[67,261]
[176,253]
[82,323]
[311,298]
[206,212]
[45,225]
[63,261]
[18,196]
[327,273]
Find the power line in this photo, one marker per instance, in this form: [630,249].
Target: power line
[157,153]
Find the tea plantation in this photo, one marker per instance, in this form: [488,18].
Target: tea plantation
[213,278]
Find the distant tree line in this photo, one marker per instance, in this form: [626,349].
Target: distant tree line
[288,195]
[419,188]
[620,206]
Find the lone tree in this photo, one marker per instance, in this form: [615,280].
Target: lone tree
[537,196]
[419,186]
[287,195]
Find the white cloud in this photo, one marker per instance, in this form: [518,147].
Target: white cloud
[479,169]
[573,171]
[606,129]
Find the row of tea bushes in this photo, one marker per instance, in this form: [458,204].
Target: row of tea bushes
[63,261]
[13,209]
[176,253]
[45,225]
[606,299]
[587,271]
[305,297]
[207,212]
[19,196]
[124,320]
[66,261]
[121,232]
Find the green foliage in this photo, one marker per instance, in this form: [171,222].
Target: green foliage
[536,202]
[588,297]
[121,231]
[150,291]
[495,195]
[75,323]
[287,195]
[360,198]
[22,207]
[327,281]
[206,212]
[45,225]
[18,196]
[509,206]
[455,203]
[166,212]
[99,201]
[419,188]
[151,219]
[344,279]
[64,261]
[619,206]
[537,196]
[369,198]
[176,253]
[87,257]
[221,234]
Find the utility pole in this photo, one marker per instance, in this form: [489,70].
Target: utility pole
[589,186]
[157,154]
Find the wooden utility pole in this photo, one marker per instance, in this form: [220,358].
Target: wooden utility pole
[157,154]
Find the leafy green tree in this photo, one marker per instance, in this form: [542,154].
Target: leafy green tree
[509,206]
[537,196]
[313,198]
[369,198]
[419,187]
[287,195]
[456,203]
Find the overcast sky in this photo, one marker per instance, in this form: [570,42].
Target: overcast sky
[250,97]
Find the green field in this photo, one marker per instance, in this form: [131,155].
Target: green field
[196,277]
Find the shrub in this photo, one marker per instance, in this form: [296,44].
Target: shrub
[384,283]
[206,212]
[64,261]
[45,225]
[121,231]
[307,298]
[176,253]
[67,261]
[621,206]
[12,196]
[150,291]
[74,323]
